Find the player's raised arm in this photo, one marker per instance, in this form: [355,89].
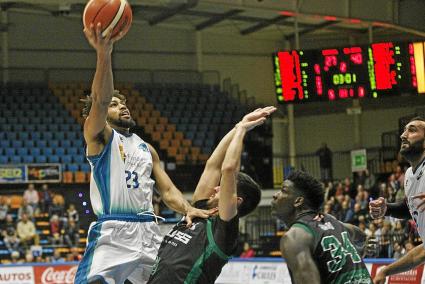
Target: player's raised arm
[296,246]
[211,175]
[228,202]
[171,196]
[96,130]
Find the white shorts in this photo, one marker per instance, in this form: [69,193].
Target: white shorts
[119,250]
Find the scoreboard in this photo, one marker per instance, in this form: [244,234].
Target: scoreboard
[373,71]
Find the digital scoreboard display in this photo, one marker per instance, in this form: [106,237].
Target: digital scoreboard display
[378,70]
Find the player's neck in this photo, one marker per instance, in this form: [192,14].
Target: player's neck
[122,130]
[416,162]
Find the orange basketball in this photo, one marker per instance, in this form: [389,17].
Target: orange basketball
[115,14]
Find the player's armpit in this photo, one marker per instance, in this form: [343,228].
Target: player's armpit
[296,246]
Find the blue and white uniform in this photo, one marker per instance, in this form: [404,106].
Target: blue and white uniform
[123,243]
[414,184]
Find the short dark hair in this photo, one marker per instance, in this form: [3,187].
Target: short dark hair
[420,118]
[88,101]
[249,191]
[310,188]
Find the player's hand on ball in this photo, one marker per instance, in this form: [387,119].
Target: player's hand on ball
[377,208]
[97,41]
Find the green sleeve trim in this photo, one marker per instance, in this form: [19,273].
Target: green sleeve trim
[196,270]
[212,242]
[306,228]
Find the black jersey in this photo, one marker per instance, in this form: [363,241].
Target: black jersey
[196,254]
[335,255]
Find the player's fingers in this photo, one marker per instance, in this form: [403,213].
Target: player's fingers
[98,30]
[421,206]
[420,195]
[188,221]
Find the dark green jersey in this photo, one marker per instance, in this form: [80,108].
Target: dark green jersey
[196,254]
[334,253]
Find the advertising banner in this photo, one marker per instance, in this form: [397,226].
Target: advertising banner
[16,275]
[55,274]
[44,173]
[13,174]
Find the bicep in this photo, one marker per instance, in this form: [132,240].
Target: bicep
[296,249]
[95,123]
[162,180]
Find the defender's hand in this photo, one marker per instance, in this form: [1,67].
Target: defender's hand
[193,212]
[377,208]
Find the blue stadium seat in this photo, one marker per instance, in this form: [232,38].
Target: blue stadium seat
[24,135]
[53,127]
[23,120]
[53,143]
[28,159]
[71,150]
[12,120]
[6,127]
[78,159]
[22,151]
[66,159]
[59,135]
[4,143]
[53,159]
[17,127]
[10,152]
[30,127]
[17,143]
[65,143]
[35,135]
[72,167]
[47,151]
[71,135]
[41,127]
[46,120]
[190,135]
[29,143]
[4,159]
[16,159]
[78,143]
[85,168]
[36,120]
[65,127]
[40,159]
[47,135]
[198,142]
[41,143]
[60,151]
[35,151]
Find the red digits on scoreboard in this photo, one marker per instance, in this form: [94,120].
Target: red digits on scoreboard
[290,72]
[383,57]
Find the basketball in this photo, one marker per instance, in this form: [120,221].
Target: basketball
[115,14]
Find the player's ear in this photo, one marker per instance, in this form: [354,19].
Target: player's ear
[299,201]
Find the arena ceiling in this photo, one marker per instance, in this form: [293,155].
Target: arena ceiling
[268,19]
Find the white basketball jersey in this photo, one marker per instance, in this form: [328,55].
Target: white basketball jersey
[121,180]
[414,184]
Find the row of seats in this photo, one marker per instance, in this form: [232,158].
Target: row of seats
[60,151]
[50,121]
[46,135]
[67,144]
[66,160]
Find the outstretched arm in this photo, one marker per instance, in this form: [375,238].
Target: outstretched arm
[228,202]
[409,261]
[296,247]
[96,131]
[173,197]
[210,177]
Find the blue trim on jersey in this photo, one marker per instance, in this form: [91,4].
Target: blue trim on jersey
[102,174]
[126,217]
[85,264]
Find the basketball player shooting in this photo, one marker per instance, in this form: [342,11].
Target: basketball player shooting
[123,242]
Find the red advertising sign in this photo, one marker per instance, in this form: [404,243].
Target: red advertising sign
[55,274]
[413,276]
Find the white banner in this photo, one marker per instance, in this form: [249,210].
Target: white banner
[16,275]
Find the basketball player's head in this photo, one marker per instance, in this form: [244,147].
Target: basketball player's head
[300,191]
[118,114]
[248,192]
[413,139]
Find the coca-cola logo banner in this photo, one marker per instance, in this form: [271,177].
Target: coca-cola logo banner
[57,274]
[16,275]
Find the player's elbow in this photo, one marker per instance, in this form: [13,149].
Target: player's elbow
[229,168]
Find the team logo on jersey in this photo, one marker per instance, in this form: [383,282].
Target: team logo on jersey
[180,236]
[122,153]
[143,147]
[326,226]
